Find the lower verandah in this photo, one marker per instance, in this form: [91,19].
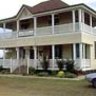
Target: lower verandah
[31,56]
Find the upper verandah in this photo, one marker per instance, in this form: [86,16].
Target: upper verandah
[48,7]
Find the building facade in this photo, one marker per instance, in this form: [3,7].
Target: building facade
[53,29]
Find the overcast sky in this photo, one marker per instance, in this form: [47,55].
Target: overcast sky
[9,8]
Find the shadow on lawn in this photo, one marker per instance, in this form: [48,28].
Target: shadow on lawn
[89,86]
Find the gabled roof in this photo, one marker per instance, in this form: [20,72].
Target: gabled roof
[48,6]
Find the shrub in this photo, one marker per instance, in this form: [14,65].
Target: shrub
[70,75]
[43,74]
[32,71]
[70,66]
[1,68]
[5,71]
[60,74]
[45,63]
[53,73]
[60,63]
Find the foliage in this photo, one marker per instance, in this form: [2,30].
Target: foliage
[60,74]
[70,75]
[4,70]
[70,66]
[10,54]
[1,68]
[60,63]
[45,63]
[53,73]
[32,71]
[43,74]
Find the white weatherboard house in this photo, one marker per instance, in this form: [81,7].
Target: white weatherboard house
[52,28]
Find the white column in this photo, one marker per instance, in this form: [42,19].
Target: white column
[35,56]
[74,52]
[91,22]
[17,49]
[83,51]
[53,23]
[27,51]
[83,19]
[4,26]
[80,51]
[17,28]
[3,56]
[73,18]
[18,57]
[35,25]
[83,16]
[53,56]
[80,16]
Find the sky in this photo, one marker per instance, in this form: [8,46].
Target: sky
[9,8]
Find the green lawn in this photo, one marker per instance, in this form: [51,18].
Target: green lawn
[44,87]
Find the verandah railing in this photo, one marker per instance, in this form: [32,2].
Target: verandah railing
[14,64]
[47,30]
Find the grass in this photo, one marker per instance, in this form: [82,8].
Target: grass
[43,87]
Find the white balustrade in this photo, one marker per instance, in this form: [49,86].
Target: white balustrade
[8,35]
[32,63]
[25,33]
[13,65]
[86,28]
[77,64]
[84,63]
[7,63]
[63,28]
[47,30]
[94,31]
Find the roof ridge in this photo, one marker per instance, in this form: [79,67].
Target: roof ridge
[48,6]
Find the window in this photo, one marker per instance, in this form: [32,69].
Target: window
[76,16]
[22,52]
[31,54]
[77,51]
[87,19]
[25,24]
[49,20]
[56,20]
[86,51]
[58,51]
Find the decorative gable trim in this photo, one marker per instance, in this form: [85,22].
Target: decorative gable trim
[24,13]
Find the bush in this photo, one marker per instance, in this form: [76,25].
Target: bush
[60,63]
[32,71]
[53,73]
[1,68]
[5,71]
[70,75]
[43,74]
[70,66]
[45,63]
[60,74]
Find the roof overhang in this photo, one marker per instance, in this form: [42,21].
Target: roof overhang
[65,9]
